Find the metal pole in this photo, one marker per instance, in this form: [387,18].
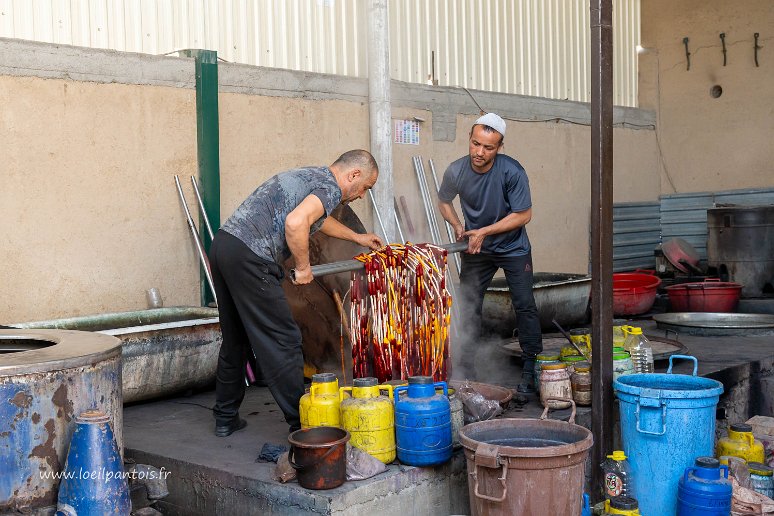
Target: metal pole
[449,230]
[397,223]
[354,265]
[379,217]
[201,207]
[199,247]
[601,235]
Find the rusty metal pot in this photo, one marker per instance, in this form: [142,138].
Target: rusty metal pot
[319,456]
[504,455]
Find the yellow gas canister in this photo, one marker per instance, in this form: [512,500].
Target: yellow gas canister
[369,417]
[320,407]
[740,443]
[622,505]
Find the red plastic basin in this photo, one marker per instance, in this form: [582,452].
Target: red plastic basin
[706,296]
[634,292]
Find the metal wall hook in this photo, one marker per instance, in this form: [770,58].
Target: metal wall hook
[723,43]
[687,53]
[756,48]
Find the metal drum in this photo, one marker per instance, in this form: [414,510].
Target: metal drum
[48,378]
[740,244]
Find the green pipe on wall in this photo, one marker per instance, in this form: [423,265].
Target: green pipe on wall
[208,147]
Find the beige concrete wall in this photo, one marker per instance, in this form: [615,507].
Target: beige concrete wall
[710,144]
[90,213]
[93,218]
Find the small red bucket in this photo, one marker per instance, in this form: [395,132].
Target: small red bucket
[634,292]
[711,295]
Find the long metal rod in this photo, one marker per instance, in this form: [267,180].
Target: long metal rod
[397,222]
[378,216]
[354,265]
[449,230]
[199,246]
[601,234]
[202,210]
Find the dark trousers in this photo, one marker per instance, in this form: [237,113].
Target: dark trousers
[254,313]
[475,276]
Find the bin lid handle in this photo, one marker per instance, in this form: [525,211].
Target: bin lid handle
[545,411]
[687,357]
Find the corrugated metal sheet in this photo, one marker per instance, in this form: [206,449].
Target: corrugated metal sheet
[685,215]
[636,233]
[528,47]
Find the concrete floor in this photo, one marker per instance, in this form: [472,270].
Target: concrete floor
[210,475]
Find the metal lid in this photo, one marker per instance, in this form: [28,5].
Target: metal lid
[573,358]
[420,380]
[760,469]
[553,366]
[582,367]
[580,331]
[94,415]
[622,355]
[624,503]
[707,462]
[547,358]
[741,427]
[368,381]
[323,377]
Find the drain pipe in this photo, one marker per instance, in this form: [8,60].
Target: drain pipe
[379,113]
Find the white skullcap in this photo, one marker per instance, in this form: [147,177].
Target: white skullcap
[493,121]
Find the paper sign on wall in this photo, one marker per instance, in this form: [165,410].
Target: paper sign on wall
[406,132]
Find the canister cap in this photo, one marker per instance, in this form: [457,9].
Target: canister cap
[741,427]
[621,355]
[757,468]
[634,330]
[420,380]
[617,455]
[582,367]
[707,462]
[368,381]
[573,358]
[553,366]
[625,503]
[323,377]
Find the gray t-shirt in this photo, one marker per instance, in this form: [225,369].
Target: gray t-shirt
[259,221]
[489,197]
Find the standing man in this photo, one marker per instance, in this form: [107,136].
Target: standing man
[496,204]
[246,258]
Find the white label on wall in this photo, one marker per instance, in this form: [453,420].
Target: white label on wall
[406,132]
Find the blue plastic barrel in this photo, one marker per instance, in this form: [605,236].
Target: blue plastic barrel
[704,489]
[667,421]
[93,481]
[423,431]
[586,509]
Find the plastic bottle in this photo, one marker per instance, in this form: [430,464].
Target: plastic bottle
[640,349]
[617,476]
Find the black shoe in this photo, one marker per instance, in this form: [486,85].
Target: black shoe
[229,428]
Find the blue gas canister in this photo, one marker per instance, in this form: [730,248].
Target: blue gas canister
[704,489]
[423,422]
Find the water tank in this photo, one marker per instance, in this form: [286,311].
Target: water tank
[48,378]
[740,244]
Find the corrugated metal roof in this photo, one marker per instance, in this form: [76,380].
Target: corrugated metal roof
[527,47]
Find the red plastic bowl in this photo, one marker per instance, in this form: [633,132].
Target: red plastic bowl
[634,292]
[706,296]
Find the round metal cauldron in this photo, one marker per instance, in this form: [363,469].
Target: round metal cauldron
[504,455]
[319,456]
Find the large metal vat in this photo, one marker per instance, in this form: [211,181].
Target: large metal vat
[47,378]
[560,296]
[164,350]
[740,244]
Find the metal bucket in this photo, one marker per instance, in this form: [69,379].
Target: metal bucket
[319,456]
[667,420]
[504,456]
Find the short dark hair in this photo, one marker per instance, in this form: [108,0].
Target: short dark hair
[487,129]
[358,158]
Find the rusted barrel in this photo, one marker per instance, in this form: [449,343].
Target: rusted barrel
[505,455]
[319,456]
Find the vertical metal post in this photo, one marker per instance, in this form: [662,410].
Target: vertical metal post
[208,144]
[601,234]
